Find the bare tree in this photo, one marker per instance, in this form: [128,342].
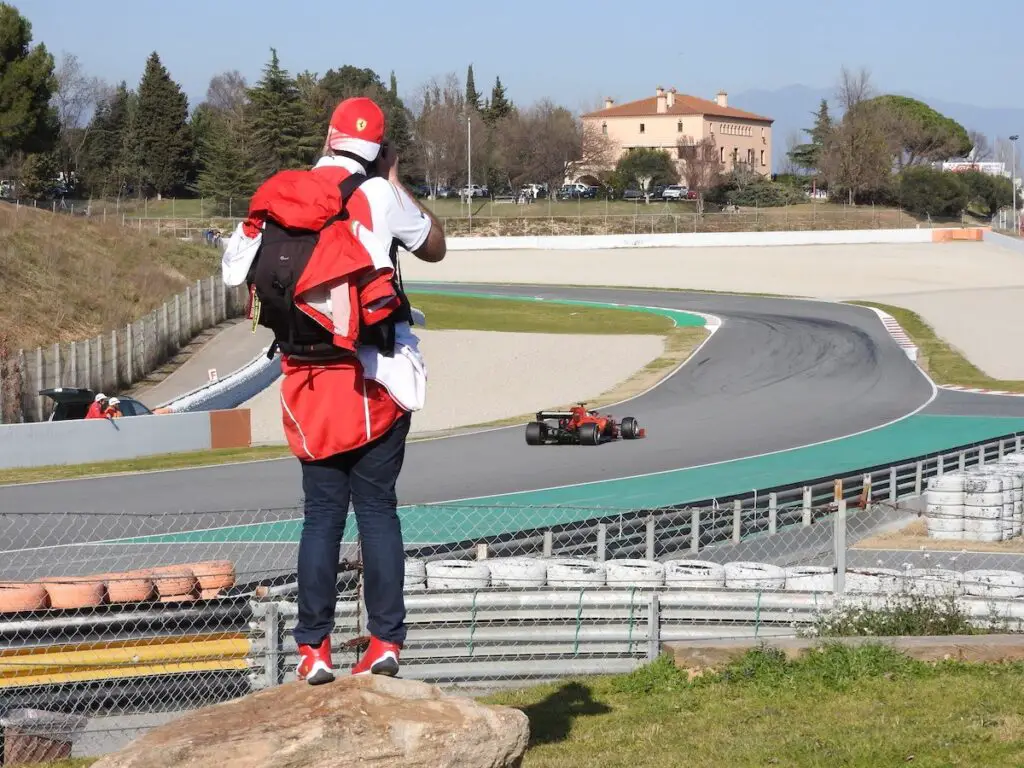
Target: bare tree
[982,148]
[74,100]
[440,131]
[228,93]
[854,88]
[789,166]
[857,155]
[700,164]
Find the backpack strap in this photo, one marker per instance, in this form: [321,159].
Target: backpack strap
[347,188]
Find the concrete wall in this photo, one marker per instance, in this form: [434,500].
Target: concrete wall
[95,440]
[1004,241]
[707,239]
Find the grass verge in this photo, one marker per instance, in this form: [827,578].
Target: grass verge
[914,536]
[854,707]
[943,362]
[472,313]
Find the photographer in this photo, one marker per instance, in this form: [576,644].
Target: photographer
[352,427]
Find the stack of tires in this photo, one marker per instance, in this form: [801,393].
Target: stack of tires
[986,507]
[944,506]
[1013,465]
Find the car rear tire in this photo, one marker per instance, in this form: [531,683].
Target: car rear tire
[589,434]
[630,428]
[534,433]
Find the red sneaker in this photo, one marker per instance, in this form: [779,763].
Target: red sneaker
[381,658]
[315,663]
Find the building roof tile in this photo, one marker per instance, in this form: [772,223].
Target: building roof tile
[684,105]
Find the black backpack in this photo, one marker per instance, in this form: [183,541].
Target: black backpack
[275,271]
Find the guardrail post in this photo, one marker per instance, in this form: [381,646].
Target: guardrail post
[1018,441]
[773,513]
[695,530]
[839,549]
[865,490]
[602,541]
[654,628]
[650,538]
[481,551]
[272,637]
[1001,450]
[892,484]
[918,477]
[549,543]
[737,520]
[807,505]
[981,455]
[939,468]
[963,460]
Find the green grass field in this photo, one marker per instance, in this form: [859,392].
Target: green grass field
[867,707]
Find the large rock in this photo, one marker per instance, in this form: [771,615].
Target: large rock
[354,721]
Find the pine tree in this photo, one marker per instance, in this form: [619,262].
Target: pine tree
[808,156]
[280,121]
[228,172]
[164,138]
[393,90]
[498,106]
[472,95]
[28,123]
[101,156]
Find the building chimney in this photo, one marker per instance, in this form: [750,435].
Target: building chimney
[722,99]
[670,99]
[608,101]
[662,101]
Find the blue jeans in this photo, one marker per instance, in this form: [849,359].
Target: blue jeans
[366,476]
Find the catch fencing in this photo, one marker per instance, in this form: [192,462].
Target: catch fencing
[132,618]
[113,361]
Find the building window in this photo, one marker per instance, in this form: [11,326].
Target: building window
[641,127]
[762,157]
[604,128]
[679,127]
[722,154]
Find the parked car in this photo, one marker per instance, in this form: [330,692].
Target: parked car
[691,194]
[473,190]
[577,191]
[674,192]
[70,403]
[632,194]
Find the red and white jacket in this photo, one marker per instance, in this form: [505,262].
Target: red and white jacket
[337,407]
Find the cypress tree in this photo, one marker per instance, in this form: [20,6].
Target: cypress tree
[499,105]
[27,121]
[280,121]
[164,139]
[472,95]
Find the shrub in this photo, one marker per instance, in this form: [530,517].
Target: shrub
[929,191]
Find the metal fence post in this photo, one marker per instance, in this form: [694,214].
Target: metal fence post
[695,529]
[892,484]
[56,365]
[650,538]
[839,547]
[602,541]
[40,383]
[272,636]
[128,349]
[737,520]
[654,628]
[807,505]
[918,477]
[773,513]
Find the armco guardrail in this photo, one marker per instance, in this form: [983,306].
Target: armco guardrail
[84,441]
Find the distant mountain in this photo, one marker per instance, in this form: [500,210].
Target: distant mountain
[792,108]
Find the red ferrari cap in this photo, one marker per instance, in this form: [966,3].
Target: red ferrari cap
[357,126]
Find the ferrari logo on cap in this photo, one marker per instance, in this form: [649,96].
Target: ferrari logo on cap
[360,124]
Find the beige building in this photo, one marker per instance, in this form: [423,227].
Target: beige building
[661,121]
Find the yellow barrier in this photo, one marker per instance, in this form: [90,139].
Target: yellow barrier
[161,656]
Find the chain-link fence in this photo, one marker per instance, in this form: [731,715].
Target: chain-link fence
[127,619]
[115,360]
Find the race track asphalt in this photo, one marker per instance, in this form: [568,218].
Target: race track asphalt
[778,374]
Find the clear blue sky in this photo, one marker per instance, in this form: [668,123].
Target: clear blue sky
[573,52]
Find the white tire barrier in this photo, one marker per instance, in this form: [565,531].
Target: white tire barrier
[872,581]
[946,490]
[236,388]
[694,574]
[457,574]
[415,572]
[634,573]
[809,578]
[743,575]
[517,572]
[570,572]
[983,583]
[934,582]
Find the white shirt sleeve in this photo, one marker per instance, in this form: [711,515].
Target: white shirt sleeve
[406,222]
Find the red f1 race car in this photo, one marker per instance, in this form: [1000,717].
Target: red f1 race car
[579,426]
